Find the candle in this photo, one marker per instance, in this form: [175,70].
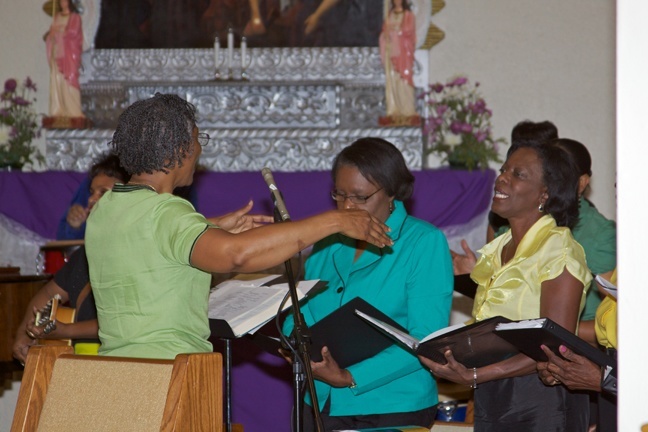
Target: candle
[230,47]
[216,51]
[243,49]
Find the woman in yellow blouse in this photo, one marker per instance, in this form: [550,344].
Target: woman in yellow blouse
[534,270]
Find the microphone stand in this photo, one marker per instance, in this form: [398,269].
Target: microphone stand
[302,338]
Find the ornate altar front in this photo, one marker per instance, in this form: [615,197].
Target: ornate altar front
[299,107]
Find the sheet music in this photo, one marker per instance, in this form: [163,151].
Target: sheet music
[246,305]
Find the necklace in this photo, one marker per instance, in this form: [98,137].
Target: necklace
[148,186]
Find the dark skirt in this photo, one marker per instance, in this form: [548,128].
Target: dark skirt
[526,404]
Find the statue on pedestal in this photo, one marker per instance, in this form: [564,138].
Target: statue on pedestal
[64,42]
[397,45]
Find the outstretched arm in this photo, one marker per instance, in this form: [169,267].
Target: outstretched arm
[218,251]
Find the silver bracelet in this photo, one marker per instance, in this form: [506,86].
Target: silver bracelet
[474,384]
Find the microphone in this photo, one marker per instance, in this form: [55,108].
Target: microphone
[278,199]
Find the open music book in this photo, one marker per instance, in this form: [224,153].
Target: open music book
[528,335]
[238,307]
[473,345]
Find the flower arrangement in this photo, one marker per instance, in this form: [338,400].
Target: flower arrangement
[18,125]
[458,126]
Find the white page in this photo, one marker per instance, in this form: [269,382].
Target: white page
[246,306]
[524,324]
[400,335]
[442,331]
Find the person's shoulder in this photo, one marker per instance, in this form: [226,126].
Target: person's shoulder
[591,220]
[421,228]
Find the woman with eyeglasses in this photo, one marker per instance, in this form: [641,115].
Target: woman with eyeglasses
[411,281]
[151,254]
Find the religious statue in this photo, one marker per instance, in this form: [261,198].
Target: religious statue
[64,42]
[397,45]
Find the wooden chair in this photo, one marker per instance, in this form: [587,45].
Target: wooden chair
[61,391]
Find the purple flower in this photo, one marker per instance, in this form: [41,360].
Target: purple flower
[30,84]
[466,128]
[456,127]
[440,109]
[481,136]
[10,85]
[20,101]
[458,82]
[437,88]
[478,107]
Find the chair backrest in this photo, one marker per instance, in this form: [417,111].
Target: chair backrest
[61,391]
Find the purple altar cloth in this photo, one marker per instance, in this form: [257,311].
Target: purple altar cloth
[443,197]
[262,394]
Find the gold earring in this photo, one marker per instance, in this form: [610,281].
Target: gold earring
[391,207]
[541,208]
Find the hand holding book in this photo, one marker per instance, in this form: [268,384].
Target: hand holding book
[574,371]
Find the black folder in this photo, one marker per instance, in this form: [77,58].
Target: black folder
[474,345]
[528,335]
[349,338]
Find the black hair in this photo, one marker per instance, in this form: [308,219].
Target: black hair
[380,162]
[580,154]
[560,177]
[154,134]
[109,165]
[531,134]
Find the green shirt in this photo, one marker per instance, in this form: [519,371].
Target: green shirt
[151,302]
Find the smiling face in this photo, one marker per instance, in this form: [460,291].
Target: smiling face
[519,189]
[349,181]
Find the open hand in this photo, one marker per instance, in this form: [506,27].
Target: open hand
[328,371]
[239,220]
[463,264]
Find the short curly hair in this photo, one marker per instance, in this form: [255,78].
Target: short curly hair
[154,134]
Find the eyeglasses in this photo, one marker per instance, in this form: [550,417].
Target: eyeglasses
[355,199]
[203,139]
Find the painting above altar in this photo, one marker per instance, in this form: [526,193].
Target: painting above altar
[265,23]
[125,24]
